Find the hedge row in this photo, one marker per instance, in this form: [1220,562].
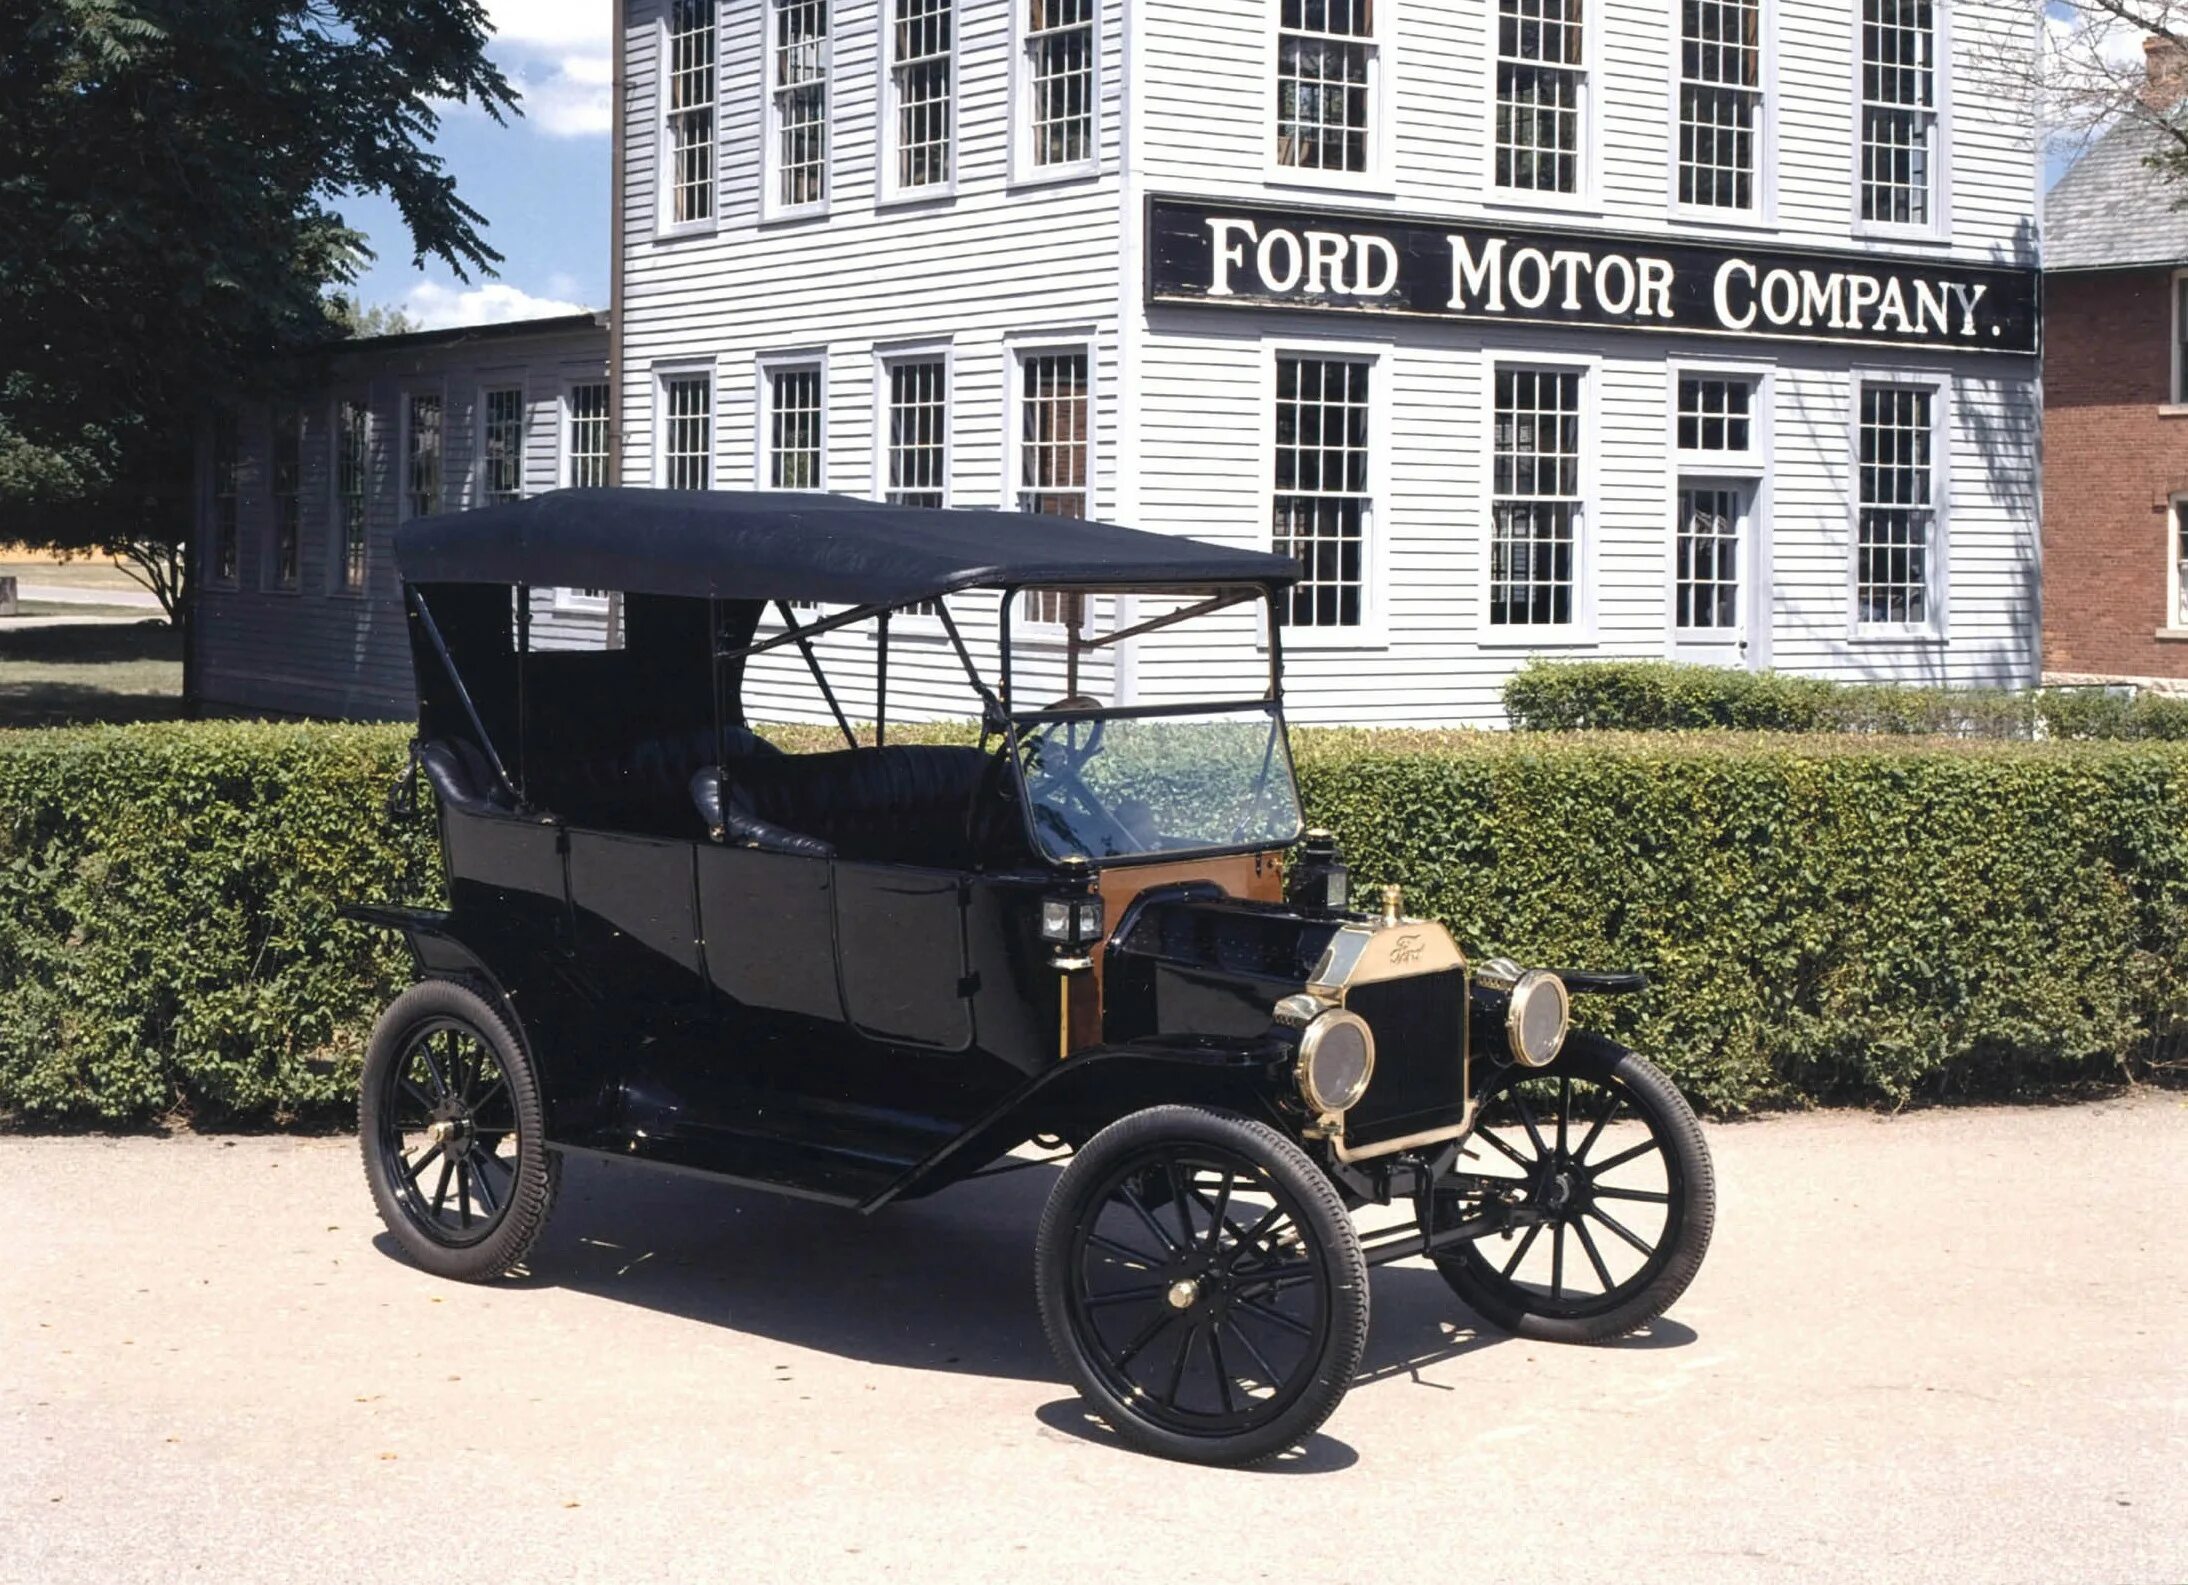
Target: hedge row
[1823,919]
[1664,696]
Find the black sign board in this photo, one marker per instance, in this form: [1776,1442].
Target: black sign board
[1257,256]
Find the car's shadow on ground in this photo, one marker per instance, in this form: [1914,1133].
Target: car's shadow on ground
[941,1284]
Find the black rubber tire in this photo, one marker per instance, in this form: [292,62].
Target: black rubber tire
[538,1175]
[1318,1213]
[1690,1220]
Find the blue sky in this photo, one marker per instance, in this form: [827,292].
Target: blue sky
[542,182]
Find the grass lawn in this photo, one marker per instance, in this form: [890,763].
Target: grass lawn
[96,573]
[89,671]
[71,608]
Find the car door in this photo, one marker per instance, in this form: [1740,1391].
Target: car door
[900,954]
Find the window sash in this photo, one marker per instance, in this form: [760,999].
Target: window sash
[918,461]
[1541,95]
[1322,503]
[1537,510]
[288,489]
[1720,102]
[1060,62]
[922,55]
[796,409]
[588,441]
[422,456]
[353,484]
[1898,96]
[798,101]
[1708,574]
[502,450]
[687,434]
[691,106]
[1055,417]
[1716,415]
[227,546]
[1897,469]
[1325,85]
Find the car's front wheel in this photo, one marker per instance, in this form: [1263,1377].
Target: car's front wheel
[1201,1283]
[452,1128]
[1603,1165]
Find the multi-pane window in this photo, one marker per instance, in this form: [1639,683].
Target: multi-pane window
[422,456]
[1716,415]
[288,497]
[794,408]
[352,478]
[1322,505]
[919,433]
[588,436]
[1325,60]
[691,82]
[1720,102]
[1059,82]
[501,450]
[2180,338]
[798,101]
[2179,519]
[920,45]
[227,496]
[1898,111]
[1898,509]
[1536,505]
[1053,417]
[1541,80]
[1706,594]
[687,432]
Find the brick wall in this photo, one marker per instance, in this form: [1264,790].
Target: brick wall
[2112,461]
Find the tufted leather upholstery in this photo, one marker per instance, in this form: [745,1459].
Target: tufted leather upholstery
[911,804]
[463,777]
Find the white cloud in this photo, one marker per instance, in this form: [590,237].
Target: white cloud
[553,24]
[557,52]
[439,307]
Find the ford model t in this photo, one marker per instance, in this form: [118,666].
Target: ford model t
[1092,925]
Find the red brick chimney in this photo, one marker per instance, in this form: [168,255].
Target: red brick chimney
[2165,71]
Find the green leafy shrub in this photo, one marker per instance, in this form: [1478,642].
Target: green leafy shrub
[1665,696]
[1821,918]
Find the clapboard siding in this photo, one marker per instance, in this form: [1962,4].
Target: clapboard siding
[318,650]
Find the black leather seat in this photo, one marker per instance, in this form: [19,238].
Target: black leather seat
[463,777]
[935,806]
[642,787]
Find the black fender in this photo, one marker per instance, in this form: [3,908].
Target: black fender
[1086,1092]
[439,954]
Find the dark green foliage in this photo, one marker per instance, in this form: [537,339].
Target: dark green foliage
[1863,919]
[1664,696]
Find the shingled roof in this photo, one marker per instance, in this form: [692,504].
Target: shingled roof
[2112,211]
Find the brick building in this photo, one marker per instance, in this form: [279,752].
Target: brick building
[2116,410]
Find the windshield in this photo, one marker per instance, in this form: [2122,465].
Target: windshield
[1125,786]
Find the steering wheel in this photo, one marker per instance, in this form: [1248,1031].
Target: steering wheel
[1061,762]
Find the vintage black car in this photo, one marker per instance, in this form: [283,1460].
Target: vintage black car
[865,974]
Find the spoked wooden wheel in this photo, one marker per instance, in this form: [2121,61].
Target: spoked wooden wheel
[1613,1191]
[449,1118]
[1201,1282]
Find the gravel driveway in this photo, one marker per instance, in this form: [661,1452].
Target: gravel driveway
[1948,1346]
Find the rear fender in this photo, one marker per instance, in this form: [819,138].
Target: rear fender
[438,953]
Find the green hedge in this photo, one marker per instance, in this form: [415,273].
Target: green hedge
[1824,919]
[1664,696]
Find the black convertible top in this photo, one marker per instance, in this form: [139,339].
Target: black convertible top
[753,545]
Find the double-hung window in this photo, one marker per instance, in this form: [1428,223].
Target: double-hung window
[1536,506]
[691,104]
[352,486]
[226,548]
[1541,106]
[797,103]
[1899,102]
[1055,415]
[687,431]
[1057,84]
[1326,66]
[796,419]
[288,497]
[2178,391]
[1717,421]
[1720,103]
[585,439]
[1322,506]
[501,445]
[922,47]
[1896,532]
[916,465]
[422,455]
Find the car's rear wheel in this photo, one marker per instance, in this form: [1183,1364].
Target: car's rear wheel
[451,1124]
[1202,1285]
[1616,1197]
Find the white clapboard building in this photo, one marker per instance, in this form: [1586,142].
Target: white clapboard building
[1565,328]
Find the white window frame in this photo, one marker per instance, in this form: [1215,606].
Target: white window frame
[1023,171]
[1017,349]
[1382,95]
[2174,624]
[772,207]
[767,367]
[663,373]
[1937,567]
[887,359]
[566,428]
[1373,631]
[1580,632]
[665,222]
[889,145]
[405,398]
[1588,198]
[338,584]
[1753,468]
[487,387]
[1764,211]
[2176,389]
[1939,226]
